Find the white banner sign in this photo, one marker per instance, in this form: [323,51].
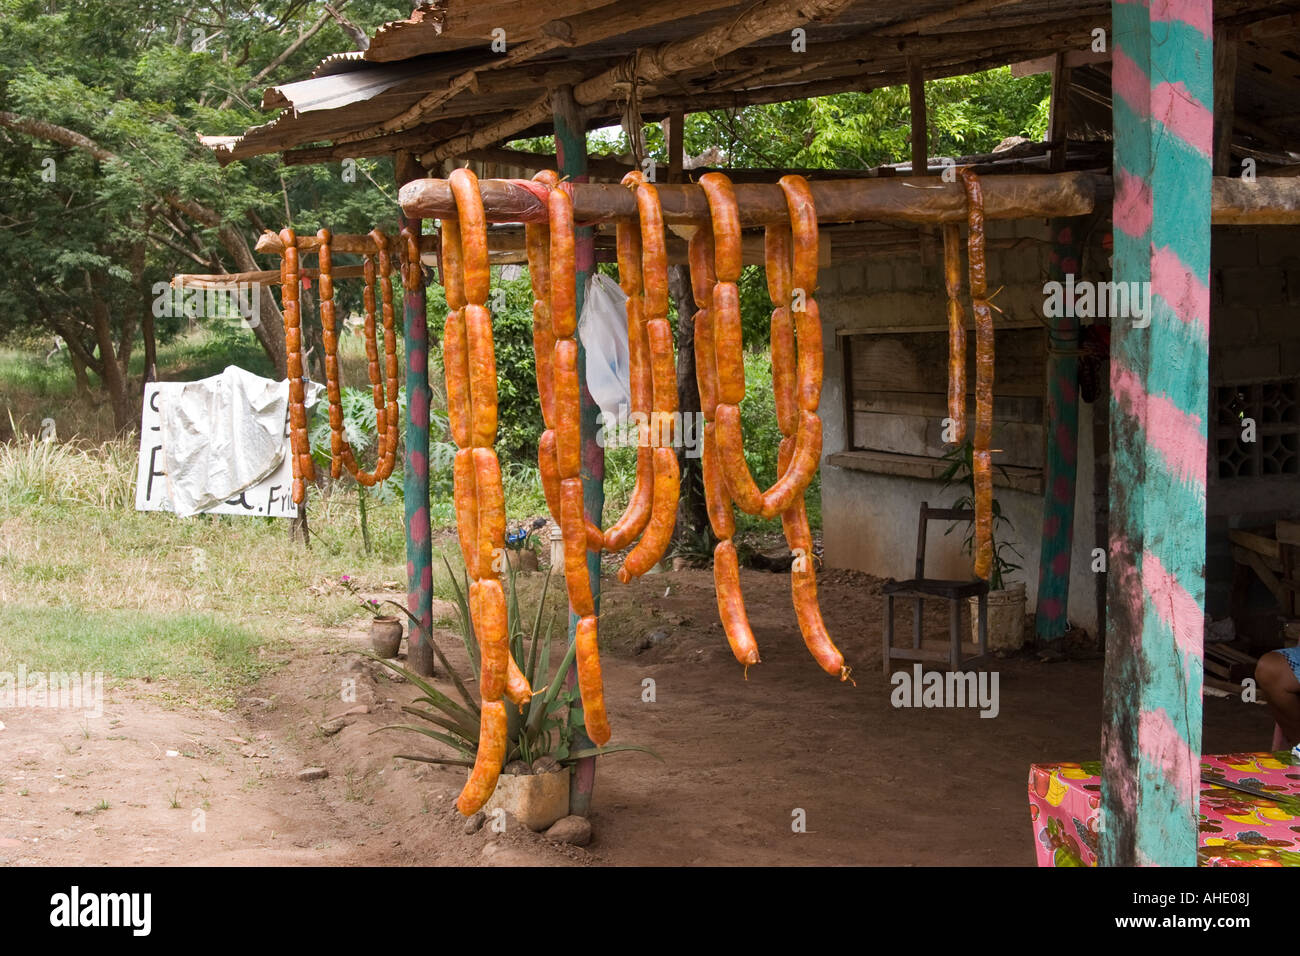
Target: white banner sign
[272,496]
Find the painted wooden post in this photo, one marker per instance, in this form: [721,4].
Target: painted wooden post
[1062,445]
[571,160]
[415,475]
[1162,90]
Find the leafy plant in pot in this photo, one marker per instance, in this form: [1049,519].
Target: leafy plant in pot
[1006,599]
[385,629]
[534,785]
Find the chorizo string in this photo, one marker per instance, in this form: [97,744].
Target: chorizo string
[956,331]
[981,460]
[479,497]
[299,444]
[560,447]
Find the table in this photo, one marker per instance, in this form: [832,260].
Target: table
[1236,829]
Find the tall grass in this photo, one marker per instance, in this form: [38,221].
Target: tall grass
[37,472]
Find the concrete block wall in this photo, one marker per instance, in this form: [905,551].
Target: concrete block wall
[869,519]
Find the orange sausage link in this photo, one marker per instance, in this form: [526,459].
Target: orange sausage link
[518,691]
[482,375]
[453,271]
[703,278]
[563,264]
[808,327]
[731,605]
[798,474]
[731,455]
[665,381]
[663,518]
[726,226]
[706,366]
[550,473]
[590,683]
[956,331]
[568,410]
[491,513]
[493,638]
[537,240]
[785,375]
[716,497]
[982,467]
[803,588]
[803,226]
[473,233]
[573,525]
[776,263]
[488,759]
[728,343]
[654,254]
[455,366]
[619,535]
[595,537]
[465,496]
[640,358]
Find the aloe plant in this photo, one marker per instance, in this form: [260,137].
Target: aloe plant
[538,729]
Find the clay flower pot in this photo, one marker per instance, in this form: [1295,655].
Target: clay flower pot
[385,636]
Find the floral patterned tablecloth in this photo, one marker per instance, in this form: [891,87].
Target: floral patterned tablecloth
[1237,829]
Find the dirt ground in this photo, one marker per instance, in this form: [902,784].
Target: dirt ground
[150,783]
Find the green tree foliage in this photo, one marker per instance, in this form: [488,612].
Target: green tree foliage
[106,189]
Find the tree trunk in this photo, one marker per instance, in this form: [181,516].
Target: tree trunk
[268,324]
[113,381]
[79,373]
[691,510]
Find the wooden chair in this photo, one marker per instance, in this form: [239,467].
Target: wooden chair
[921,587]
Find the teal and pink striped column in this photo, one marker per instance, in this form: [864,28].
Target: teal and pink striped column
[571,163]
[1051,619]
[1162,85]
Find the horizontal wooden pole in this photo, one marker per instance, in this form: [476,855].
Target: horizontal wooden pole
[906,199]
[269,243]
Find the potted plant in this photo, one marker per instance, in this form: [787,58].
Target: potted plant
[385,629]
[534,784]
[1006,599]
[521,546]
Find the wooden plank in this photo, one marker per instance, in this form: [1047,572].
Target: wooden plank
[1288,532]
[1016,443]
[916,101]
[1259,565]
[1151,731]
[918,362]
[1256,542]
[1225,89]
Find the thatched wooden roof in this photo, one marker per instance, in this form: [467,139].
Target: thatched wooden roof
[433,85]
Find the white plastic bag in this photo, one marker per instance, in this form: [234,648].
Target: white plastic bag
[603,331]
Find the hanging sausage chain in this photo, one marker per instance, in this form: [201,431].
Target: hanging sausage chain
[470,366]
[377,270]
[982,455]
[791,259]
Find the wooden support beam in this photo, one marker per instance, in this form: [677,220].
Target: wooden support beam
[1159,374]
[1225,94]
[920,135]
[955,12]
[676,145]
[904,199]
[1058,117]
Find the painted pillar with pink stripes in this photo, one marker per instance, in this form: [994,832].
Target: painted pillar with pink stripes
[1162,85]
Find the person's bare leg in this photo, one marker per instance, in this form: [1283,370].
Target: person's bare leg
[1282,692]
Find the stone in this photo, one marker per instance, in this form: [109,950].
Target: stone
[517,768]
[650,640]
[332,727]
[313,773]
[571,829]
[475,823]
[535,800]
[546,764]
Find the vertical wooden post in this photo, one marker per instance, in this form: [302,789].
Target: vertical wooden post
[415,475]
[920,135]
[1162,90]
[1225,94]
[1062,444]
[571,159]
[676,145]
[1058,113]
